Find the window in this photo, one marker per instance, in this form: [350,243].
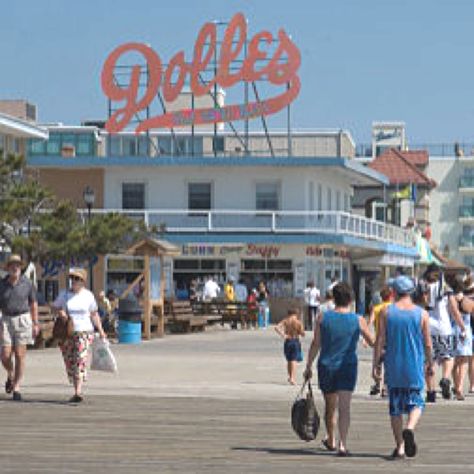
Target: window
[143,142]
[218,144]
[199,196]
[311,196]
[53,146]
[320,197]
[347,202]
[129,146]
[338,200]
[329,200]
[133,196]
[115,144]
[181,146]
[85,144]
[267,197]
[36,146]
[164,145]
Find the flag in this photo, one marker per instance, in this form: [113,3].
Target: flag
[405,193]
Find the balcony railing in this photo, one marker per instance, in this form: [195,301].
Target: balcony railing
[279,222]
[466,211]
[364,150]
[466,182]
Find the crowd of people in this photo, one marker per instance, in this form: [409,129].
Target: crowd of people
[418,324]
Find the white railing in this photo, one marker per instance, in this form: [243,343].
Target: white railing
[280,222]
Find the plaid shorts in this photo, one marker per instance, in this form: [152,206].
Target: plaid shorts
[443,347]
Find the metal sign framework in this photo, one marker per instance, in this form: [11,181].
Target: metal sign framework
[123,75]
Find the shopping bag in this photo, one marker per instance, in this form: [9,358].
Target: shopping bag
[305,419]
[102,356]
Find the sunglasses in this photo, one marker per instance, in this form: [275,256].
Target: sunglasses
[76,278]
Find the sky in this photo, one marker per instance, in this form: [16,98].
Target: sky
[361,60]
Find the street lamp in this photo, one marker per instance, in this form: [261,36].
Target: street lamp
[89,199]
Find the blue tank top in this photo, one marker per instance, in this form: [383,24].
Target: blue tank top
[339,337]
[404,355]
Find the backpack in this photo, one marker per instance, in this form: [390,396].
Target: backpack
[305,419]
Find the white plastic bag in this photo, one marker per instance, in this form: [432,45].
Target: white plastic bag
[102,357]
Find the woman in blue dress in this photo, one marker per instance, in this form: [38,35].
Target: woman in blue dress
[337,334]
[463,339]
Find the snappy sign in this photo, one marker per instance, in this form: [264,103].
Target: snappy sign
[279,69]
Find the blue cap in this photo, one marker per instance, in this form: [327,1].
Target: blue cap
[403,285]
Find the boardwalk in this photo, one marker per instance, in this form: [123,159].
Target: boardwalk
[205,403]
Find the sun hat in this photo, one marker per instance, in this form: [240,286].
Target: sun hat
[78,272]
[14,258]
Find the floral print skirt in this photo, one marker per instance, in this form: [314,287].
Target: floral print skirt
[75,351]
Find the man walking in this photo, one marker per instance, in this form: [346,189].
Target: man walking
[312,298]
[19,323]
[404,332]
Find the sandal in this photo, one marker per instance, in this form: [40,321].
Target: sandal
[343,454]
[397,455]
[326,444]
[410,445]
[459,396]
[76,399]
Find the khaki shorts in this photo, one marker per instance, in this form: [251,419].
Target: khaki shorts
[17,330]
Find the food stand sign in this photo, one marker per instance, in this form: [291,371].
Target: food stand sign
[280,70]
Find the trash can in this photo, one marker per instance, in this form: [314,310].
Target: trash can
[130,322]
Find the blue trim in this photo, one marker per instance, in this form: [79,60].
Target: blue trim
[161,161]
[306,239]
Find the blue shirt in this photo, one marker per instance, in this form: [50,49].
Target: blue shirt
[339,337]
[404,355]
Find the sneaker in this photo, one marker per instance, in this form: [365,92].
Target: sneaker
[9,385]
[431,397]
[17,396]
[445,385]
[374,390]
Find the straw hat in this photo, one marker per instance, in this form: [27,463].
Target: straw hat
[14,258]
[78,272]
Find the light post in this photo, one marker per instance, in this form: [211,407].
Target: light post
[89,199]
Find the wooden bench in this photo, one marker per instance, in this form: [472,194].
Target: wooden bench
[180,317]
[222,311]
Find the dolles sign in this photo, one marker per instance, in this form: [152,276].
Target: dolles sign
[280,69]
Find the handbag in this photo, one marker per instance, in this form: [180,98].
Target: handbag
[305,419]
[63,327]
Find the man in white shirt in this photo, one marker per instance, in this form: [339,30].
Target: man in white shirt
[312,298]
[211,290]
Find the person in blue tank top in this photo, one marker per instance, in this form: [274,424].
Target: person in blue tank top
[404,332]
[337,334]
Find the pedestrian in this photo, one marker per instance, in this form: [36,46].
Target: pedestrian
[263,304]
[374,318]
[79,304]
[336,334]
[229,290]
[291,329]
[20,324]
[404,333]
[328,304]
[105,311]
[241,292]
[312,298]
[463,350]
[211,290]
[443,313]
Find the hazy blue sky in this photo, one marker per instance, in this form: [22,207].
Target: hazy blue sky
[362,60]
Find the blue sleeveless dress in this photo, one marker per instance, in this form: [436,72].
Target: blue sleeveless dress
[337,363]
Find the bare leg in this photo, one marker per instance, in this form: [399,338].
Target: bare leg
[461,363]
[20,355]
[456,372]
[471,373]
[447,368]
[7,361]
[413,418]
[77,386]
[397,428]
[344,419]
[292,372]
[330,400]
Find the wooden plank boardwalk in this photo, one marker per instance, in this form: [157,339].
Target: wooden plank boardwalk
[126,434]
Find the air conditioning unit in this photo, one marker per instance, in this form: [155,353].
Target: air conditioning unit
[68,151]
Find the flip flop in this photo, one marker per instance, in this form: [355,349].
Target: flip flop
[396,455]
[325,443]
[343,454]
[410,445]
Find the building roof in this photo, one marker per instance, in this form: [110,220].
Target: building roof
[21,128]
[401,168]
[359,174]
[416,157]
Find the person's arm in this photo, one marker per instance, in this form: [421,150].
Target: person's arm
[371,317]
[365,331]
[379,344]
[455,313]
[59,305]
[280,329]
[98,324]
[314,349]
[425,328]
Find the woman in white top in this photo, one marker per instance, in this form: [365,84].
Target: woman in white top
[80,305]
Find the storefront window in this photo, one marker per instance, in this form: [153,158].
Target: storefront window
[277,274]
